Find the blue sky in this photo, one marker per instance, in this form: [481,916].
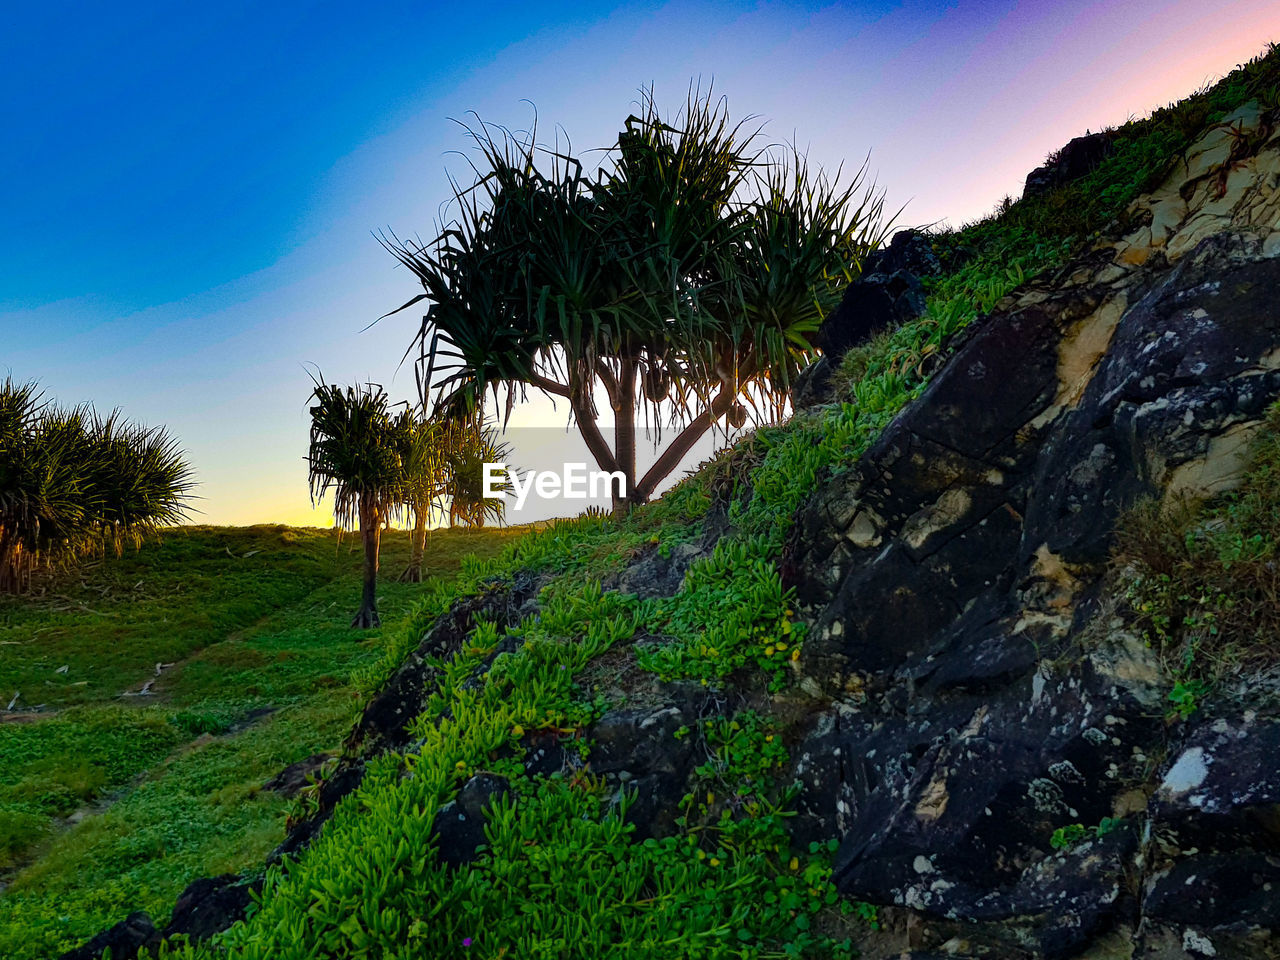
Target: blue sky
[190,190]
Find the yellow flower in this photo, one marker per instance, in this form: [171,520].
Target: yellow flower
[769,738]
[795,654]
[517,730]
[768,651]
[782,645]
[794,864]
[715,861]
[461,764]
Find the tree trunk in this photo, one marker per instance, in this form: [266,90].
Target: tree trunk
[684,442]
[371,535]
[418,541]
[624,433]
[10,574]
[591,434]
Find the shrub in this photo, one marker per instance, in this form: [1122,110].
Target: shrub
[1201,579]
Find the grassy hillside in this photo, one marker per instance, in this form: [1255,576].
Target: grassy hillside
[729,884]
[111,802]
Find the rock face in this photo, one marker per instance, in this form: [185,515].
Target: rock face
[953,579]
[459,825]
[210,905]
[1077,159]
[637,749]
[125,940]
[886,295]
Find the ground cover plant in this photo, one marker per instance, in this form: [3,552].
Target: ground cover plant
[561,875]
[110,802]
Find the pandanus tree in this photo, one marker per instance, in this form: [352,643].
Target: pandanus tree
[356,454]
[74,483]
[443,460]
[682,281]
[467,445]
[422,446]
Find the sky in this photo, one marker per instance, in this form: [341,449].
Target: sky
[191,191]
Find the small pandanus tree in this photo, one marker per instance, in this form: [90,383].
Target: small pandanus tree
[682,281]
[356,454]
[74,483]
[422,444]
[467,445]
[442,463]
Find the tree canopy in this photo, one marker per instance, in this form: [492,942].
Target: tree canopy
[682,279]
[382,464]
[76,483]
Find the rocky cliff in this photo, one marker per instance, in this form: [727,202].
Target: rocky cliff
[984,689]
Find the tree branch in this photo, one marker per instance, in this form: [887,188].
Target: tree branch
[591,434]
[548,385]
[609,380]
[684,442]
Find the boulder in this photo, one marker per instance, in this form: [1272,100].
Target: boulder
[125,940]
[210,905]
[907,250]
[1216,814]
[641,756]
[459,824]
[294,777]
[887,294]
[1077,159]
[812,385]
[872,303]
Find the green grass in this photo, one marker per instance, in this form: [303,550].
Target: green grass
[253,619]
